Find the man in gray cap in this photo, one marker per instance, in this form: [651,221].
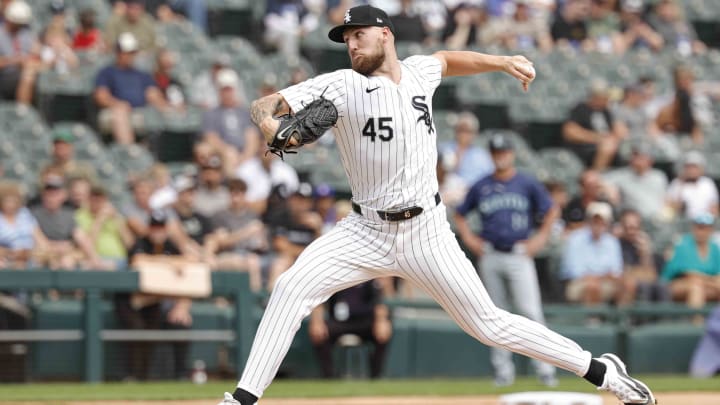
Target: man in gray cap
[641,186]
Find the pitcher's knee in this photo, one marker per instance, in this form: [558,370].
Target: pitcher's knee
[289,289]
[282,285]
[492,329]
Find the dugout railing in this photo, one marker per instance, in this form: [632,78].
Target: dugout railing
[637,332]
[95,284]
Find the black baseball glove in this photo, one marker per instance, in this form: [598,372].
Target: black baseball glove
[306,126]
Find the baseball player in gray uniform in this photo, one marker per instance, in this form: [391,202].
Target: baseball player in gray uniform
[398,227]
[508,203]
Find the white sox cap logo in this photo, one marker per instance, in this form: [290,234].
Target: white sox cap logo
[347,17]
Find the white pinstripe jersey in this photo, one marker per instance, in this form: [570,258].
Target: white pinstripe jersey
[385,133]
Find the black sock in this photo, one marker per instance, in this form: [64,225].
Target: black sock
[244,397]
[596,372]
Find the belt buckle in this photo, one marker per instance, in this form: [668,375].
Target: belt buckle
[407,214]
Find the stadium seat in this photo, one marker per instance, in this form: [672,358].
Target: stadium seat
[131,159]
[7,149]
[233,17]
[663,234]
[328,170]
[445,121]
[16,168]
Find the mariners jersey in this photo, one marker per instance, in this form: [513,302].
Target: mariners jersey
[507,209]
[385,133]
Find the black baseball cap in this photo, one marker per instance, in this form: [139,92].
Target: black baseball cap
[157,218]
[500,142]
[361,16]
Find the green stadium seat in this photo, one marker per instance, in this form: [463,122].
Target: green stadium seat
[131,158]
[232,17]
[18,170]
[173,135]
[282,67]
[7,149]
[408,48]
[663,235]
[182,36]
[328,169]
[331,58]
[306,162]
[561,158]
[445,121]
[19,115]
[181,168]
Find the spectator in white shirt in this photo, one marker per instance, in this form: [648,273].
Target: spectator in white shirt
[692,193]
[262,174]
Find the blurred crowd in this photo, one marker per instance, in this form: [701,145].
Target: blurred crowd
[608,26]
[260,216]
[601,242]
[239,207]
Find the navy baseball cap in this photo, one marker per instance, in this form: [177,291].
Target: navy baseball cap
[361,16]
[500,142]
[324,190]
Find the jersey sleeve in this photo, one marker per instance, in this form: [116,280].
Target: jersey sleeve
[329,85]
[470,202]
[429,68]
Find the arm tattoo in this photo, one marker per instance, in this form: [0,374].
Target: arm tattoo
[265,107]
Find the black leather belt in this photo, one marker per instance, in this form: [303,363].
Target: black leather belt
[398,215]
[504,249]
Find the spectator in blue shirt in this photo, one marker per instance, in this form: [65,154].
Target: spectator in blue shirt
[694,269]
[20,234]
[469,161]
[592,261]
[120,88]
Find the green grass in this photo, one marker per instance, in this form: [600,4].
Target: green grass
[309,388]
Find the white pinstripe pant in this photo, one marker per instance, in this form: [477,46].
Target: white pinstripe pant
[422,250]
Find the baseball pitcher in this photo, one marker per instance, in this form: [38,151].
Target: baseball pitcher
[382,115]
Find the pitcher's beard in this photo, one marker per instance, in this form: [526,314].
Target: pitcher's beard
[369,63]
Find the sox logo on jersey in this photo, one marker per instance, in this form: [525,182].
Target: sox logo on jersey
[418,103]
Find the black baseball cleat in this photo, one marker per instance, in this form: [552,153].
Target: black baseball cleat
[627,389]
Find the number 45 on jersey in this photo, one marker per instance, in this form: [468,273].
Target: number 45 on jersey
[380,128]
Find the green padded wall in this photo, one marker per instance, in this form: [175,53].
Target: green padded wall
[675,341]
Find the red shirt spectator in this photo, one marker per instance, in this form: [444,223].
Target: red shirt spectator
[88,37]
